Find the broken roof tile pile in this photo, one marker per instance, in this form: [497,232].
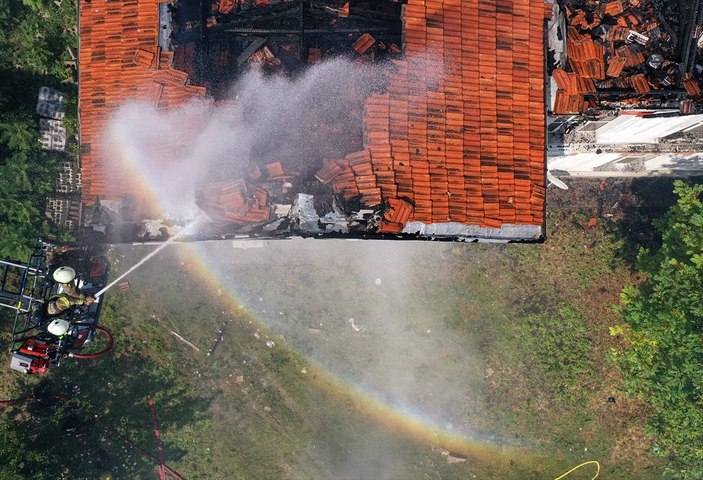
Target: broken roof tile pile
[353,176]
[619,51]
[245,201]
[120,60]
[235,202]
[468,147]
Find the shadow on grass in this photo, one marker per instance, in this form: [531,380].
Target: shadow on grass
[647,199]
[78,412]
[627,206]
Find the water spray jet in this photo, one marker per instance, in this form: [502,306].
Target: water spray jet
[146,258]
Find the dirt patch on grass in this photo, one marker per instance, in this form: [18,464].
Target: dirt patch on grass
[634,447]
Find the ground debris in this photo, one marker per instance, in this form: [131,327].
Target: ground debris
[592,223]
[190,344]
[354,326]
[453,457]
[219,338]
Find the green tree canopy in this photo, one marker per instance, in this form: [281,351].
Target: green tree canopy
[34,39]
[663,359]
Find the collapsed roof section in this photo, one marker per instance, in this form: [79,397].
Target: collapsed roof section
[219,41]
[627,54]
[460,156]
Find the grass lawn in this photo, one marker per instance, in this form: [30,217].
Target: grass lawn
[397,360]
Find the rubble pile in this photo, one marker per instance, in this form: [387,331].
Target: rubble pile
[398,213]
[630,53]
[245,202]
[352,176]
[282,37]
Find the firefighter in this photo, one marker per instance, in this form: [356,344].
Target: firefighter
[65,277]
[58,327]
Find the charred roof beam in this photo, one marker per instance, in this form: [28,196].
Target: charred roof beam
[264,15]
[356,15]
[305,15]
[629,93]
[382,30]
[266,11]
[689,49]
[375,15]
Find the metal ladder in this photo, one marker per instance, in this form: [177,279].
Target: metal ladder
[23,286]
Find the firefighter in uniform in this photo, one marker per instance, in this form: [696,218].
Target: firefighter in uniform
[65,277]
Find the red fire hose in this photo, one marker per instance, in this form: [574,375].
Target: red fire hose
[87,356]
[159,447]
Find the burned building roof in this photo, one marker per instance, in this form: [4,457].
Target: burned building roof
[458,156]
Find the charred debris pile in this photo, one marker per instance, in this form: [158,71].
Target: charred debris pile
[630,54]
[272,201]
[226,37]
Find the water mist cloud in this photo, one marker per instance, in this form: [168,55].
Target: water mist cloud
[297,121]
[263,119]
[404,355]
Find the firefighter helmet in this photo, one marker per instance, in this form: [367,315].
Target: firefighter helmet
[58,327]
[64,274]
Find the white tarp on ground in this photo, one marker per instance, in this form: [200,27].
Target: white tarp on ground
[631,129]
[581,161]
[626,162]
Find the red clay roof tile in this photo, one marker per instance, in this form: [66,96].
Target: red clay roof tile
[492,101]
[691,85]
[120,60]
[640,84]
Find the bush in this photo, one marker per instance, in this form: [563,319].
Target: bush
[34,40]
[662,361]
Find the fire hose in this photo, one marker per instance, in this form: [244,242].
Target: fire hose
[145,259]
[88,356]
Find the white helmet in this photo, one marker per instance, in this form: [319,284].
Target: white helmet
[58,327]
[64,274]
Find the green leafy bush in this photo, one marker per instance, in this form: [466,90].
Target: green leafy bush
[662,361]
[35,36]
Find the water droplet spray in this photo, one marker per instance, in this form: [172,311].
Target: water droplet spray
[146,258]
